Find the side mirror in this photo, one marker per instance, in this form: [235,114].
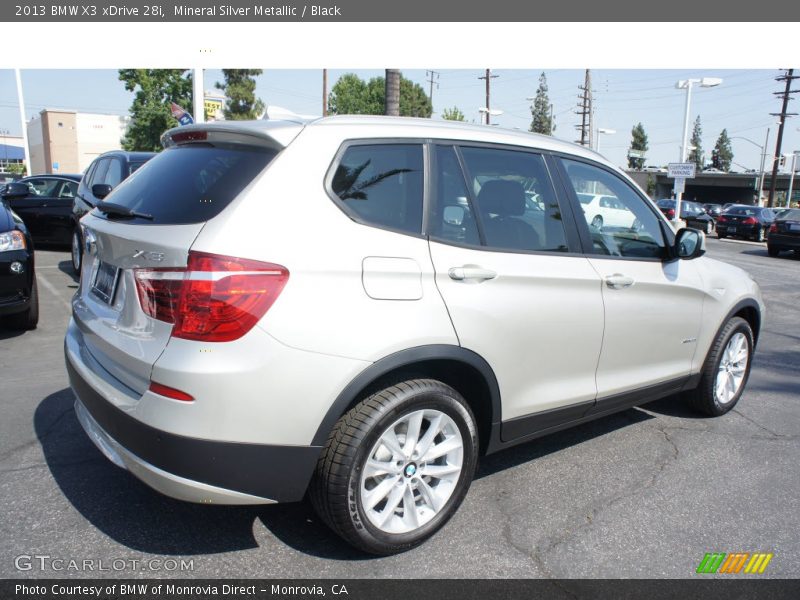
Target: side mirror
[101,190]
[454,215]
[689,244]
[15,190]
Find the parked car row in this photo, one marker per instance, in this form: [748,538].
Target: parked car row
[693,213]
[52,205]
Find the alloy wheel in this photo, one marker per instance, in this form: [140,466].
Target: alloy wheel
[412,471]
[732,369]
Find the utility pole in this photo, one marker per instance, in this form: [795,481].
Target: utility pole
[488,77]
[585,111]
[788,78]
[324,92]
[434,78]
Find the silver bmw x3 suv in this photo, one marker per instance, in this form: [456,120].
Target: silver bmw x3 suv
[357,308]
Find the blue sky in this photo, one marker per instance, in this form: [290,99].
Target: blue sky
[623,97]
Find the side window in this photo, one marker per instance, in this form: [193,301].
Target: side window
[68,189]
[632,230]
[381,184]
[514,199]
[114,174]
[453,219]
[42,187]
[99,174]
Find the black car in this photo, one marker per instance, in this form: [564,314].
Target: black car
[19,299]
[691,212]
[742,220]
[46,208]
[784,233]
[105,173]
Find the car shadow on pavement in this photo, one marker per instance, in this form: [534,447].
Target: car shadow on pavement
[7,333]
[132,514]
[558,441]
[65,266]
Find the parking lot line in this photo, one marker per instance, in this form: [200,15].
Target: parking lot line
[53,290]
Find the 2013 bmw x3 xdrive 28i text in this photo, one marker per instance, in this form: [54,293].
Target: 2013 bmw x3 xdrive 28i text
[356,308]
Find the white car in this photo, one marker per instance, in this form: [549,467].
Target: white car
[605,211]
[359,308]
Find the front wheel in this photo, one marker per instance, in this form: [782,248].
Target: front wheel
[77,251]
[725,371]
[397,466]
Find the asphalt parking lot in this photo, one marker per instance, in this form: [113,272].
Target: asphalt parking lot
[644,493]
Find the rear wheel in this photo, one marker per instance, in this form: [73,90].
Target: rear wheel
[77,251]
[726,370]
[597,222]
[709,227]
[721,236]
[761,235]
[773,251]
[397,466]
[29,318]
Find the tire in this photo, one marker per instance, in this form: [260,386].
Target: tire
[773,251]
[77,251]
[29,318]
[710,397]
[721,236]
[597,222]
[340,489]
[761,235]
[709,227]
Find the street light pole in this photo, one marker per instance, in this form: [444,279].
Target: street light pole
[791,180]
[687,85]
[761,174]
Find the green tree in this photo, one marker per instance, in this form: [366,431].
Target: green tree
[453,114]
[239,88]
[351,95]
[542,122]
[155,90]
[17,169]
[722,154]
[696,155]
[638,144]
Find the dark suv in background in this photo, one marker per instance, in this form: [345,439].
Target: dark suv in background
[105,173]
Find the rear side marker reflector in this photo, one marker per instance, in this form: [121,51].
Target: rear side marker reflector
[214,299]
[163,390]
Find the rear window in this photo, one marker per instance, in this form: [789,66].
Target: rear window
[191,183]
[743,211]
[790,215]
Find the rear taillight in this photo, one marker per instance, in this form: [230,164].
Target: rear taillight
[750,221]
[722,219]
[773,228]
[214,299]
[671,213]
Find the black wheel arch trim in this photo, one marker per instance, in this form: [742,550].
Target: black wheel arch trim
[399,360]
[737,308]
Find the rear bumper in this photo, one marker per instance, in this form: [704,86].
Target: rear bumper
[186,468]
[784,242]
[738,230]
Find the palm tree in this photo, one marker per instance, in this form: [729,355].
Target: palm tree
[393,92]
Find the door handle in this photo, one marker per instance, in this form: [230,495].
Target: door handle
[469,272]
[618,281]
